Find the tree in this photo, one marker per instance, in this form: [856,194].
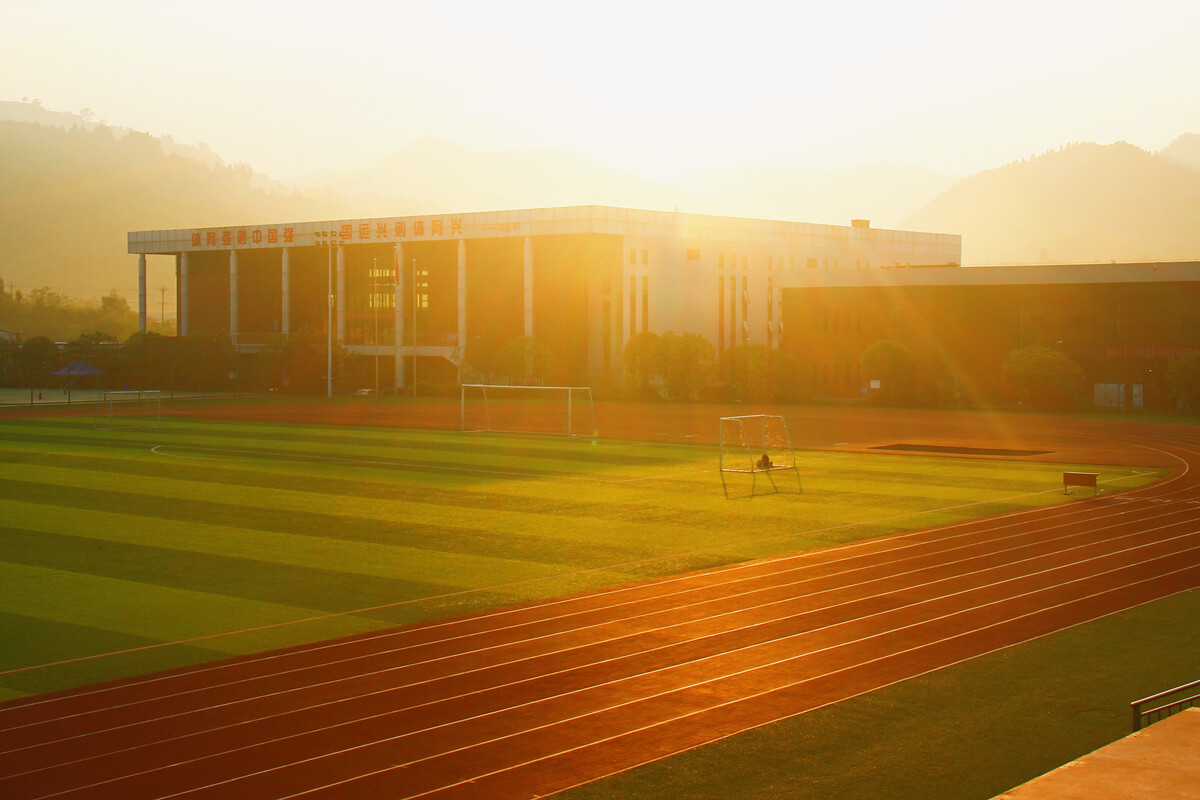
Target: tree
[38,357]
[684,363]
[895,367]
[1043,378]
[758,374]
[639,360]
[523,359]
[1183,380]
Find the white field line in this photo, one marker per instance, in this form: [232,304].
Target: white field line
[992,539]
[670,667]
[593,643]
[755,696]
[851,696]
[663,693]
[1052,512]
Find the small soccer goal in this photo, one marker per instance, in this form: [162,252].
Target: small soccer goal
[756,444]
[561,410]
[129,409]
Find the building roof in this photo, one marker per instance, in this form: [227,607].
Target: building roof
[1145,272]
[526,222]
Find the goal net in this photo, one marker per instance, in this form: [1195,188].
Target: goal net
[129,409]
[563,410]
[756,444]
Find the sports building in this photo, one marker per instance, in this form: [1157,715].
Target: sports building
[1122,323]
[418,291]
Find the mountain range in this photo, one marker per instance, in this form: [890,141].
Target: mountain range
[73,187]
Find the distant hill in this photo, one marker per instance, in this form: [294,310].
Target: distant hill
[70,195]
[1082,203]
[1184,151]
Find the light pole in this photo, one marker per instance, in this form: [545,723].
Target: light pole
[328,239]
[375,316]
[414,296]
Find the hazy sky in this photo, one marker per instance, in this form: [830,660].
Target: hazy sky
[658,88]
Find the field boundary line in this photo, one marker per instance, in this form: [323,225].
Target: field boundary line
[571,573]
[773,587]
[674,690]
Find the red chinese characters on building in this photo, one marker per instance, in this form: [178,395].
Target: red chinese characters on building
[210,239]
[364,230]
[347,231]
[195,238]
[455,225]
[437,227]
[418,227]
[401,228]
[381,230]
[226,238]
[289,235]
[256,236]
[241,236]
[272,235]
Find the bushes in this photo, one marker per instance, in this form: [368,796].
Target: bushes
[895,367]
[1183,381]
[1043,379]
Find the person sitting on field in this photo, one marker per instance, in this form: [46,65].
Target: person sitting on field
[764,462]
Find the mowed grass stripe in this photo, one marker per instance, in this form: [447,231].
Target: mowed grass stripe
[384,442]
[153,612]
[507,555]
[251,579]
[29,640]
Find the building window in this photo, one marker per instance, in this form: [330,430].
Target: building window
[645,257]
[745,307]
[693,254]
[810,263]
[606,334]
[732,310]
[645,302]
[720,313]
[632,303]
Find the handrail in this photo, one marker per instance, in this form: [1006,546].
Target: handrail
[1139,715]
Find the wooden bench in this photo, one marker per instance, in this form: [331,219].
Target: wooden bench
[1080,479]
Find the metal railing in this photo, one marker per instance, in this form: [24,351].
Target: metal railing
[1142,718]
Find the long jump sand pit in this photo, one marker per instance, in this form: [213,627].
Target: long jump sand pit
[529,700]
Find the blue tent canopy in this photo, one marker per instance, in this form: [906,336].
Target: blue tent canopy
[78,368]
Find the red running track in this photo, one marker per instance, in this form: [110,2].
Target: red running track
[526,701]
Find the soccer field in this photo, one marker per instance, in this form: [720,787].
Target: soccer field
[131,551]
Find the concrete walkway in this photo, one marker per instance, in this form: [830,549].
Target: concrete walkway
[1161,761]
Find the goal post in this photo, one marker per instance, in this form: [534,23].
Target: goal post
[129,409]
[502,408]
[755,444]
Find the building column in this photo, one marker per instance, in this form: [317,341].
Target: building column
[341,293]
[233,296]
[528,279]
[398,316]
[462,295]
[285,274]
[183,295]
[142,293]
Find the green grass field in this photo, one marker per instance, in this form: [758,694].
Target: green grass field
[131,551]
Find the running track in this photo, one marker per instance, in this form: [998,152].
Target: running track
[527,701]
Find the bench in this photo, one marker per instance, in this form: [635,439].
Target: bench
[1080,479]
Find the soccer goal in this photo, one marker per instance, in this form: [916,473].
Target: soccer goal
[129,409]
[562,410]
[756,444]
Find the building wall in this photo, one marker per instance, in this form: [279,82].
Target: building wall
[961,334]
[600,274]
